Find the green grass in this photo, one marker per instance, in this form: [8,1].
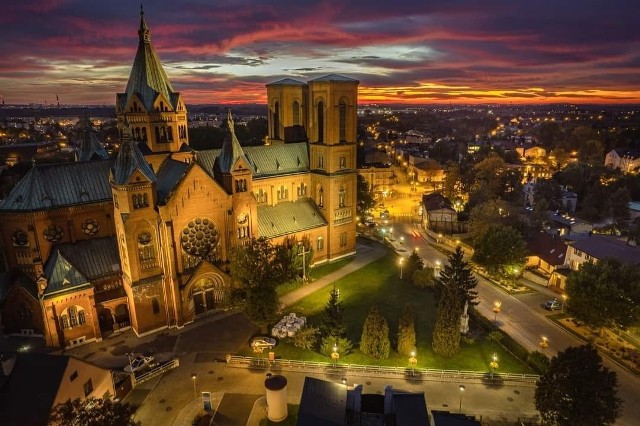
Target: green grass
[378,284]
[314,273]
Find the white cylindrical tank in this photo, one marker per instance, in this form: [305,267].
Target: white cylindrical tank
[276,388]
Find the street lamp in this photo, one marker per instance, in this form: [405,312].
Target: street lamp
[413,360]
[194,377]
[461,387]
[544,342]
[335,355]
[564,300]
[436,270]
[493,365]
[496,310]
[400,262]
[401,240]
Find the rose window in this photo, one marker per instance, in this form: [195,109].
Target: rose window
[90,227]
[53,233]
[199,237]
[19,238]
[144,239]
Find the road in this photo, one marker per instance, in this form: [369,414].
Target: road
[523,318]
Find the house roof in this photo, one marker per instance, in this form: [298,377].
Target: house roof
[287,82]
[549,248]
[231,150]
[15,278]
[410,409]
[334,77]
[169,175]
[625,152]
[322,403]
[436,201]
[58,185]
[288,217]
[603,246]
[30,391]
[72,266]
[90,146]
[129,160]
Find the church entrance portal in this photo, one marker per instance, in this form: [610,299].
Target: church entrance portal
[208,292]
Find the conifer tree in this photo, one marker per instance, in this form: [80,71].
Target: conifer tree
[333,324]
[457,285]
[375,335]
[406,332]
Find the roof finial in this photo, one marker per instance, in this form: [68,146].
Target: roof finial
[143,32]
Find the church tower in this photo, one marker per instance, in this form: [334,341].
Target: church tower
[157,114]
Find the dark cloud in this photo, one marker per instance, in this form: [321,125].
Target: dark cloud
[586,47]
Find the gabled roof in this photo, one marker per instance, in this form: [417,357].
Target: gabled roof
[625,152]
[90,147]
[147,79]
[129,160]
[436,201]
[287,82]
[335,77]
[549,248]
[30,391]
[57,185]
[169,175]
[93,258]
[15,278]
[288,217]
[603,246]
[62,276]
[231,150]
[265,160]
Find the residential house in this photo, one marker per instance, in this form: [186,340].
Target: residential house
[627,160]
[545,254]
[565,225]
[439,215]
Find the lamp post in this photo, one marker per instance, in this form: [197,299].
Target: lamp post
[304,254]
[461,387]
[493,365]
[544,342]
[564,300]
[335,355]
[516,271]
[400,262]
[194,377]
[436,270]
[496,310]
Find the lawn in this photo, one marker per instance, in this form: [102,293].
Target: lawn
[314,274]
[378,284]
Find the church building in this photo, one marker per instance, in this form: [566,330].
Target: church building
[143,240]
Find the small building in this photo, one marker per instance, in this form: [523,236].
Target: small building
[594,248]
[545,253]
[528,152]
[438,214]
[35,383]
[626,160]
[565,225]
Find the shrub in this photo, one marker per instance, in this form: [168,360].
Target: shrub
[306,338]
[344,345]
[496,336]
[424,278]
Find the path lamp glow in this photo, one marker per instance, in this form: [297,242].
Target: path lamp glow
[564,300]
[496,310]
[400,262]
[335,355]
[544,342]
[194,377]
[461,387]
[493,365]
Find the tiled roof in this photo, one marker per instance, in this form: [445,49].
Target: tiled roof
[436,201]
[549,248]
[168,177]
[147,78]
[58,185]
[287,82]
[266,160]
[288,217]
[129,160]
[94,258]
[334,77]
[31,368]
[90,147]
[15,278]
[603,246]
[231,149]
[62,276]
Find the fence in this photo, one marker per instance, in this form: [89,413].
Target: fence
[150,374]
[379,371]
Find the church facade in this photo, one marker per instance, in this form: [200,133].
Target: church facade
[143,240]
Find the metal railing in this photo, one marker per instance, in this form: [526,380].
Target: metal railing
[150,374]
[378,370]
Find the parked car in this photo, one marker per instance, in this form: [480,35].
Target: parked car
[552,305]
[139,363]
[263,342]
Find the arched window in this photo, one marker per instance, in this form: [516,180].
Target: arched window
[343,120]
[169,133]
[144,134]
[320,121]
[296,113]
[73,318]
[155,305]
[321,197]
[276,120]
[320,243]
[81,317]
[341,197]
[64,320]
[157,134]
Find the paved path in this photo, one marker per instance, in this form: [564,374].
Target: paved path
[367,252]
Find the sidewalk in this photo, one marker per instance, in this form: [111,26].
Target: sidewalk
[366,252]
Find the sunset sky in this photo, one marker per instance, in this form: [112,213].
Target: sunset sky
[419,51]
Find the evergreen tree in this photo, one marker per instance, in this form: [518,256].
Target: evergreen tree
[375,335]
[406,332]
[457,285]
[414,263]
[577,389]
[333,324]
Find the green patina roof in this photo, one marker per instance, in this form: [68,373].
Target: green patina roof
[231,150]
[289,217]
[62,276]
[129,160]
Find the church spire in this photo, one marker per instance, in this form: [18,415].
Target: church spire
[129,160]
[143,32]
[231,149]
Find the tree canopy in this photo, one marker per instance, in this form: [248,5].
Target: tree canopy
[333,324]
[605,294]
[500,249]
[577,389]
[375,335]
[93,412]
